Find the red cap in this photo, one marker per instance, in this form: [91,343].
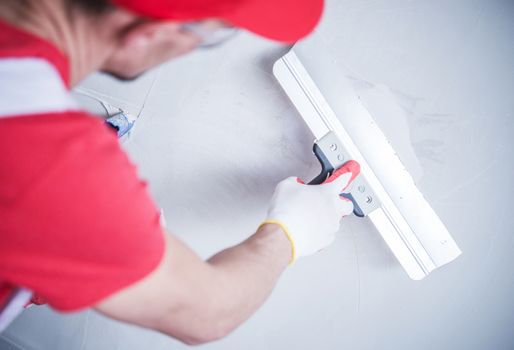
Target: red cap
[281,20]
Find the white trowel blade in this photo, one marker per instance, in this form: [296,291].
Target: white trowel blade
[405,220]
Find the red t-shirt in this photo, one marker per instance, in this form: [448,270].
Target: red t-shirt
[76,222]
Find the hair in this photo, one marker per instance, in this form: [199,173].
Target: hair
[94,7]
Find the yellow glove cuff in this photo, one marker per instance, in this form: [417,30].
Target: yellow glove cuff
[288,235]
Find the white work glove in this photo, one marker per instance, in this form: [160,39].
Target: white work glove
[310,215]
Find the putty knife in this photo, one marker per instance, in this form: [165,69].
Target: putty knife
[384,191]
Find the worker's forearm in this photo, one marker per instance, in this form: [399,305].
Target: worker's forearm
[198,301]
[248,272]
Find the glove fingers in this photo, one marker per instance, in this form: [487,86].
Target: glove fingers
[338,185]
[343,176]
[344,206]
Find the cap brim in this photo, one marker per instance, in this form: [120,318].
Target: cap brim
[282,20]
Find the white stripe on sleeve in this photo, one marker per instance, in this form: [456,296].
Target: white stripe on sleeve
[32,86]
[14,307]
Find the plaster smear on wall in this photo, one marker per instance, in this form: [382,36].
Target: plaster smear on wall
[343,87]
[385,108]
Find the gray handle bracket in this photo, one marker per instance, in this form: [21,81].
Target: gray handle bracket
[336,155]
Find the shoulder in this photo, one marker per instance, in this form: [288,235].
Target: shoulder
[78,223]
[76,218]
[33,145]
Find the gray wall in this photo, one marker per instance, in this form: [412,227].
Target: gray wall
[216,134]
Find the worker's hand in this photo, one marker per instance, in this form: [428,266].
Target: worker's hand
[310,214]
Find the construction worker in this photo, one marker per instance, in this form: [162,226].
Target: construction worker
[59,239]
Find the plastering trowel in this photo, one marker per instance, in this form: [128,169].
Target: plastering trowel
[384,192]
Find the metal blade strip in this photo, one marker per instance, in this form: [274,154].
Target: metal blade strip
[417,259]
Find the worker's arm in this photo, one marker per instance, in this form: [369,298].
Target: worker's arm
[198,301]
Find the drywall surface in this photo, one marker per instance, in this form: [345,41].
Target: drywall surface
[216,133]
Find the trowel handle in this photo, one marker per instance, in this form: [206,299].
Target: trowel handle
[326,170]
[326,167]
